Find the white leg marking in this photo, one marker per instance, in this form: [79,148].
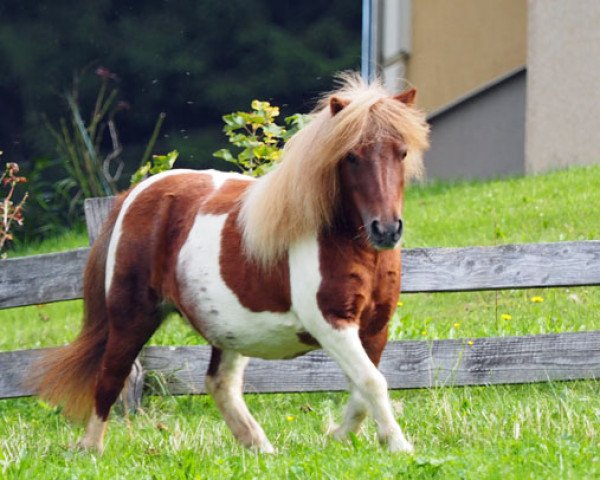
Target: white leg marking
[226,389]
[94,434]
[342,344]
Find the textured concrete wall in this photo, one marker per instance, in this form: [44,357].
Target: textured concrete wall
[563,84]
[482,136]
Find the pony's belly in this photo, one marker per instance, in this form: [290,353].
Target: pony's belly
[215,310]
[265,335]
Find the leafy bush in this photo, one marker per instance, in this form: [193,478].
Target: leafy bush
[159,163]
[258,136]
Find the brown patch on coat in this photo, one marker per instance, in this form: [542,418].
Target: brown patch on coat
[257,288]
[228,197]
[307,339]
[359,284]
[215,361]
[372,184]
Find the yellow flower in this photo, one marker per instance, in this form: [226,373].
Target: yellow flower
[506,316]
[423,333]
[399,304]
[290,418]
[470,343]
[456,325]
[537,299]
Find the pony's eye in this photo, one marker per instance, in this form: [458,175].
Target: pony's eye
[403,153]
[352,159]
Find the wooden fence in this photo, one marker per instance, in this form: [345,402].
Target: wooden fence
[406,364]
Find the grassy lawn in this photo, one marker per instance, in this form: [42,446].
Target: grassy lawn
[529,431]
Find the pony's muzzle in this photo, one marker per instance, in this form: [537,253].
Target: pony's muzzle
[384,236]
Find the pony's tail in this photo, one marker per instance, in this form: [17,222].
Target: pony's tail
[66,376]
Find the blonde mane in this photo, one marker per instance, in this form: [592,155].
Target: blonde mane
[299,196]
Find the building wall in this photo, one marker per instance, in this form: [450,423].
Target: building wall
[455,45]
[481,136]
[563,84]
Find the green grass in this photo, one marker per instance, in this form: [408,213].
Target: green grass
[528,431]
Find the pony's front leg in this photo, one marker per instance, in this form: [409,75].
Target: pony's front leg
[356,409]
[224,382]
[345,347]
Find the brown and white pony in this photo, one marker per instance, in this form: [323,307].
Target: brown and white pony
[305,257]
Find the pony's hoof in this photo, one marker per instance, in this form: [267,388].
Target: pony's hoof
[339,434]
[90,447]
[268,448]
[400,445]
[264,448]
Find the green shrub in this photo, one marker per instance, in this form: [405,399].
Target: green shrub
[258,137]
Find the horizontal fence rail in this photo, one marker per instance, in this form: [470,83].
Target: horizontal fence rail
[42,278]
[58,276]
[406,364]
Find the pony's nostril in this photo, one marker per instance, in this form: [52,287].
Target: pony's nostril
[376,227]
[399,227]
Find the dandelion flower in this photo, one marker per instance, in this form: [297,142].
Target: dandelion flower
[456,325]
[423,333]
[290,418]
[399,304]
[470,343]
[506,316]
[537,299]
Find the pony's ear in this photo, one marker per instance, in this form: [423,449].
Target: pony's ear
[336,105]
[407,97]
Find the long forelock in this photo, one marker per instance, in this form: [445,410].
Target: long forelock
[298,198]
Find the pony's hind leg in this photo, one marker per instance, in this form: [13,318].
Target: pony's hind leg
[129,330]
[224,382]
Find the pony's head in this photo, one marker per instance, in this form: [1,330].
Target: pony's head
[353,159]
[372,174]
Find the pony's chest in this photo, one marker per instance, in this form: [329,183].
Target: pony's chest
[358,285]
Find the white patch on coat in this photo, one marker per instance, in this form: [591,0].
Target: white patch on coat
[215,308]
[219,178]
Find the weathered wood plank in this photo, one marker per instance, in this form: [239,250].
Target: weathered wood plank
[96,211]
[58,276]
[501,267]
[42,278]
[14,368]
[409,364]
